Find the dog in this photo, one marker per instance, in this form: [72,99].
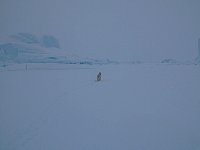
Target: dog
[99,76]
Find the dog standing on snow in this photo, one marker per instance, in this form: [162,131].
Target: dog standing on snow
[99,76]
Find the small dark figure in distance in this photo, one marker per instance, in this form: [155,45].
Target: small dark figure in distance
[99,76]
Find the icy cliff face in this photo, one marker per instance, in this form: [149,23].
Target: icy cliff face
[47,41]
[197,60]
[19,53]
[8,51]
[25,38]
[28,48]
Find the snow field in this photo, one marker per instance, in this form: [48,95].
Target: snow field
[145,106]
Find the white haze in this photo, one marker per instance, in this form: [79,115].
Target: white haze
[116,29]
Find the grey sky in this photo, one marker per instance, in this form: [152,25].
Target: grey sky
[116,29]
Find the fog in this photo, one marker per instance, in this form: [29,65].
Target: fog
[115,29]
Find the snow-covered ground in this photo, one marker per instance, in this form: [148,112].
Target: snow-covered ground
[134,107]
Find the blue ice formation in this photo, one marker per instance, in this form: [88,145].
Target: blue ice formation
[197,60]
[26,38]
[47,41]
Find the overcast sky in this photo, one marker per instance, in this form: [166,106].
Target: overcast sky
[116,29]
